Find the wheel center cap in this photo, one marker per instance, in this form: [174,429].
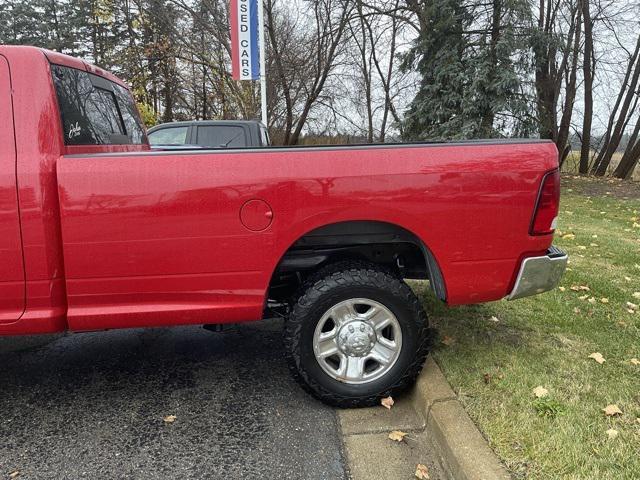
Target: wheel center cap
[356,338]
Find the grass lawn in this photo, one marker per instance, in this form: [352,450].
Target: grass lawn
[546,341]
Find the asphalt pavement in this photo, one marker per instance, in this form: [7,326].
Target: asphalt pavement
[93,406]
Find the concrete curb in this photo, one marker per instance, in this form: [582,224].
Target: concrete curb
[462,448]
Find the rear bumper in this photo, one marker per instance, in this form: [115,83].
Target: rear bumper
[539,274]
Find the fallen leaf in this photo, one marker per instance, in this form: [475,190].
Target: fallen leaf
[422,473]
[632,306]
[562,289]
[592,300]
[583,297]
[495,319]
[576,310]
[635,361]
[604,300]
[14,474]
[636,295]
[447,340]
[597,356]
[580,288]
[612,433]
[568,236]
[169,419]
[612,410]
[387,402]
[397,436]
[487,378]
[540,392]
[628,279]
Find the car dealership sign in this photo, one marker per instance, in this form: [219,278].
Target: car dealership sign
[245,53]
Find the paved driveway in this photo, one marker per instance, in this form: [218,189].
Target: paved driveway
[92,406]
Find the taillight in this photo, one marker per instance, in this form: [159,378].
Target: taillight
[545,215]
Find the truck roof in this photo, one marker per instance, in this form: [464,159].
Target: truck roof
[65,60]
[206,122]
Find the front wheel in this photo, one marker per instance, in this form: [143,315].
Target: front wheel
[356,334]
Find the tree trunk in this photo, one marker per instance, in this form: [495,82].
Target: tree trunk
[386,76]
[366,71]
[570,91]
[56,26]
[282,77]
[585,149]
[628,163]
[488,116]
[631,155]
[544,56]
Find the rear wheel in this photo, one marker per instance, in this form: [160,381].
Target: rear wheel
[356,333]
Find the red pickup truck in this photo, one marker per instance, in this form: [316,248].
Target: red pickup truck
[98,232]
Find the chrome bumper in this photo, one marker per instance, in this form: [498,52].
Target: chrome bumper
[539,274]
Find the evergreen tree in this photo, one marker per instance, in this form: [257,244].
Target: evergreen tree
[439,57]
[472,59]
[496,103]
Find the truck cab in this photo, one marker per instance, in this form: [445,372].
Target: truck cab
[59,106]
[209,134]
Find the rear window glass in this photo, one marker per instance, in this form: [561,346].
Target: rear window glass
[95,111]
[169,136]
[221,136]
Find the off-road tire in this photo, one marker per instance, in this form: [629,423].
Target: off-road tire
[331,285]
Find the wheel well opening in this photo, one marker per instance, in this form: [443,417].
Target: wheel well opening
[377,242]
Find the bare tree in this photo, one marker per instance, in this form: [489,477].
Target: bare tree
[306,57]
[551,50]
[570,88]
[386,74]
[371,77]
[620,115]
[365,47]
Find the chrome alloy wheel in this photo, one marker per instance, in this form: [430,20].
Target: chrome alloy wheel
[357,341]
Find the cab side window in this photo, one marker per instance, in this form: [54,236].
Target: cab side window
[169,136]
[95,111]
[216,136]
